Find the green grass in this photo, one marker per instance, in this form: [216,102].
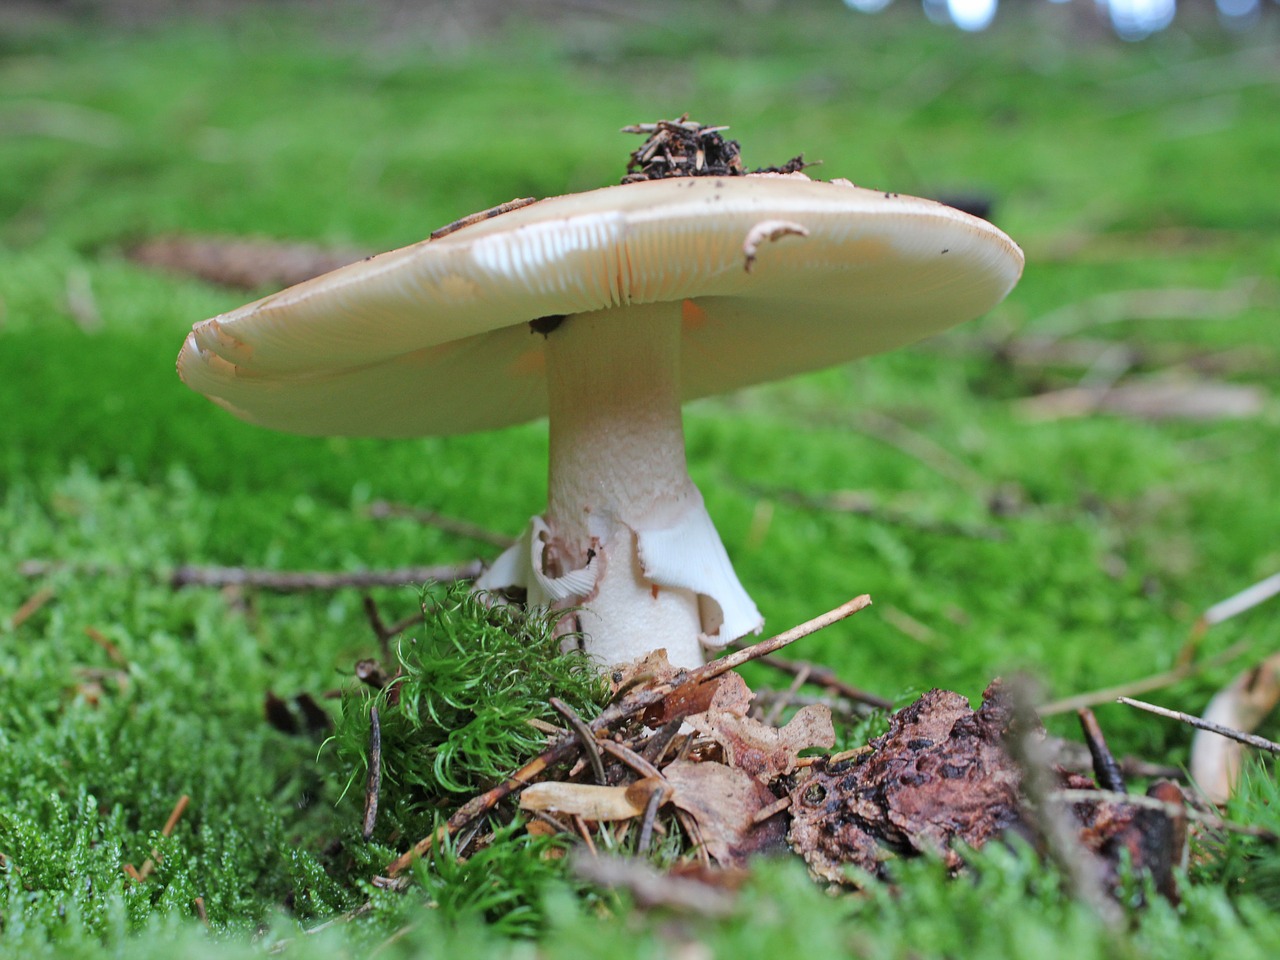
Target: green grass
[1119,168]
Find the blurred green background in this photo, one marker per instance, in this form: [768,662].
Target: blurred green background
[1001,524]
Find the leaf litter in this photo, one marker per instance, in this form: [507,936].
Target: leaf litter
[683,760]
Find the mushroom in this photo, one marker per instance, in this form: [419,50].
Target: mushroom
[604,311]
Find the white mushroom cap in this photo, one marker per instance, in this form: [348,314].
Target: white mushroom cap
[664,290]
[433,338]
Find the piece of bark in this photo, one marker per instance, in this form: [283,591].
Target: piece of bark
[940,776]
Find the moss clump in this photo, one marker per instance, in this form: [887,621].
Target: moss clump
[456,718]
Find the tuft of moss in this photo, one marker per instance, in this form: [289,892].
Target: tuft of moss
[457,717]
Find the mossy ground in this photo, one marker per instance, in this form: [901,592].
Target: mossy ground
[1122,170]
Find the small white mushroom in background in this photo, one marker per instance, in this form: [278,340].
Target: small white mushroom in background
[604,311]
[1241,705]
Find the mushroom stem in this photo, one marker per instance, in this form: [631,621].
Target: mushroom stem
[617,439]
[617,468]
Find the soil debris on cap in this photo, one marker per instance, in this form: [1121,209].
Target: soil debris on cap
[687,148]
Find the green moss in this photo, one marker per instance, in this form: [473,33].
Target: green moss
[456,718]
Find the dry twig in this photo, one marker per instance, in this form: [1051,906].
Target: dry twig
[586,737]
[373,783]
[31,607]
[1249,739]
[1143,684]
[381,509]
[150,863]
[293,581]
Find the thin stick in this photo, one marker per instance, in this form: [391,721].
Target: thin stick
[656,746]
[584,833]
[102,640]
[632,759]
[478,805]
[859,504]
[373,784]
[585,736]
[650,815]
[1050,819]
[482,215]
[1170,809]
[1142,685]
[31,607]
[1105,767]
[825,677]
[1246,599]
[383,632]
[773,809]
[201,912]
[178,809]
[770,719]
[550,821]
[1249,739]
[293,581]
[765,647]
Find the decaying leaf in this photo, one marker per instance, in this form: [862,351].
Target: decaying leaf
[765,752]
[724,802]
[590,801]
[939,776]
[1241,705]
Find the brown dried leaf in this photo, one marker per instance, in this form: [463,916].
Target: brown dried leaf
[724,802]
[588,800]
[732,696]
[765,752]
